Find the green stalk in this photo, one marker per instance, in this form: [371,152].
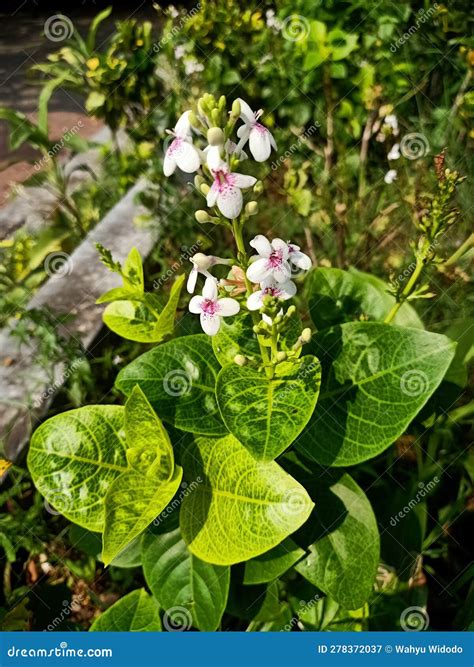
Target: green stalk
[406,292]
[243,263]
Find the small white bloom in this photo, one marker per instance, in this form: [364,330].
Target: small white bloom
[201,265]
[260,139]
[391,121]
[394,153]
[191,66]
[390,176]
[270,287]
[271,261]
[226,190]
[211,308]
[181,151]
[298,258]
[180,51]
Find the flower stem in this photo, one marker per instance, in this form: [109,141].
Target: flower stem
[243,263]
[409,287]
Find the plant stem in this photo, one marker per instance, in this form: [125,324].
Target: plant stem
[329,148]
[460,251]
[243,262]
[407,291]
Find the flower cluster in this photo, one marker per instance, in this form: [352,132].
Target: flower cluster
[265,278]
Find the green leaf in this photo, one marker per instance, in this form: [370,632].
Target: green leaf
[267,415]
[94,101]
[342,534]
[131,504]
[73,459]
[91,35]
[336,296]
[241,508]
[135,612]
[138,495]
[179,579]
[138,319]
[273,563]
[179,379]
[376,378]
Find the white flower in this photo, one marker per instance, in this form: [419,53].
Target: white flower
[191,66]
[391,121]
[271,261]
[180,51]
[298,258]
[181,151]
[394,153]
[201,265]
[270,287]
[390,176]
[260,139]
[211,308]
[225,191]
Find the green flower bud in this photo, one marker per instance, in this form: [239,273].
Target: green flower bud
[251,208]
[281,356]
[215,116]
[215,136]
[198,181]
[204,189]
[258,188]
[306,335]
[202,216]
[236,108]
[240,360]
[193,119]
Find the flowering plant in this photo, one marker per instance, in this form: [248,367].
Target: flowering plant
[203,504]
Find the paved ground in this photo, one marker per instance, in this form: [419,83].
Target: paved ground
[23,44]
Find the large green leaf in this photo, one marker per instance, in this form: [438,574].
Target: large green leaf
[179,379]
[138,495]
[139,320]
[336,296]
[241,507]
[273,563]
[376,378]
[181,582]
[267,415]
[341,535]
[74,457]
[135,612]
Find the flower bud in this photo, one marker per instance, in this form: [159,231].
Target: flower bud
[193,119]
[251,208]
[198,181]
[236,108]
[202,216]
[258,188]
[306,335]
[204,188]
[215,136]
[215,116]
[240,360]
[281,356]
